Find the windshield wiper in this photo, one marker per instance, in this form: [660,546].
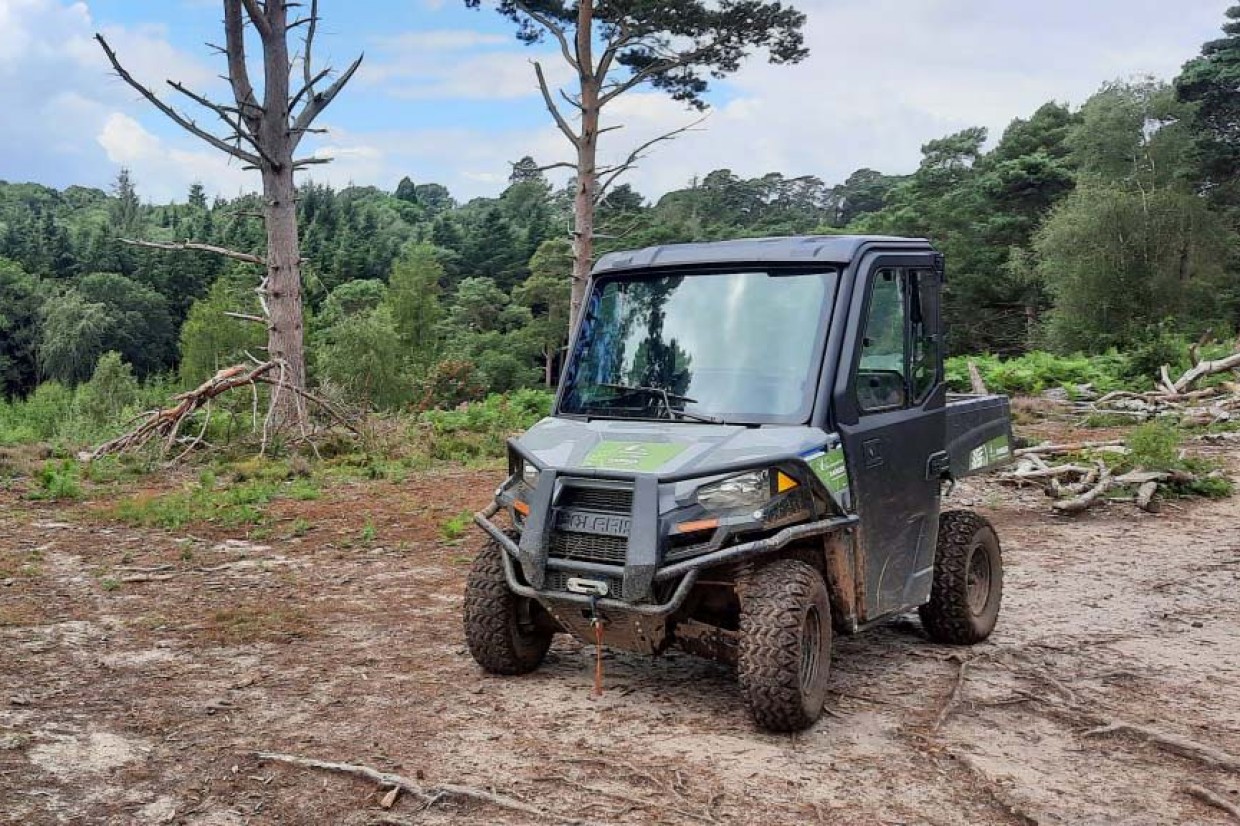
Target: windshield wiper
[666,397]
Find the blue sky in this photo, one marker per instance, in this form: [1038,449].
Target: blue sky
[447,94]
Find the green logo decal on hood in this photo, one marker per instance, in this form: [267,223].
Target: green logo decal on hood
[641,457]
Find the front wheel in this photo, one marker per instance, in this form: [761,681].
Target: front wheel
[968,581]
[506,633]
[784,650]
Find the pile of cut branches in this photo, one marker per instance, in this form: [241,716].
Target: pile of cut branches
[1078,484]
[1179,399]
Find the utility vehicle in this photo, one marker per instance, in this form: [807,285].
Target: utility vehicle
[747,453]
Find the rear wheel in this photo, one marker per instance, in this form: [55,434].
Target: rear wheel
[506,633]
[784,650]
[968,581]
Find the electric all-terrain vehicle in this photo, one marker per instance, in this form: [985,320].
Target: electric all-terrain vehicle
[747,454]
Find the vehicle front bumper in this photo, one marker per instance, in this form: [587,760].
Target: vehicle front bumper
[684,573]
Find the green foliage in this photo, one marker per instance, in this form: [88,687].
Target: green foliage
[1154,446]
[414,299]
[211,340]
[20,300]
[1037,371]
[233,506]
[450,383]
[454,528]
[110,392]
[59,481]
[362,354]
[1118,261]
[481,430]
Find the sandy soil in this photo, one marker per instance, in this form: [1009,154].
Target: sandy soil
[141,670]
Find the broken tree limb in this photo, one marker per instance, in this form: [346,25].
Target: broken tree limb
[1048,449]
[1083,502]
[245,257]
[976,382]
[1202,753]
[1212,799]
[1164,375]
[165,424]
[1207,368]
[426,795]
[1145,497]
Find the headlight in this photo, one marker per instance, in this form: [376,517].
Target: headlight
[748,490]
[529,473]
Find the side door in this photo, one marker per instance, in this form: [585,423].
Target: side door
[890,412]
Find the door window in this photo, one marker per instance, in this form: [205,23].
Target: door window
[923,333]
[881,380]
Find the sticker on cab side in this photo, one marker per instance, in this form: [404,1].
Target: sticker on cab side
[830,467]
[992,452]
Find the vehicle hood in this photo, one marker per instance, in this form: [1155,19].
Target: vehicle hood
[662,448]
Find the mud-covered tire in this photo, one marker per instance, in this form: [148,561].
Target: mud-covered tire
[963,609]
[506,633]
[784,650]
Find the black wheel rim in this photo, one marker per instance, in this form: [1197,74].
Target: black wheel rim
[811,644]
[979,579]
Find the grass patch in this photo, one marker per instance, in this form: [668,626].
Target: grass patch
[59,481]
[229,507]
[454,528]
[244,624]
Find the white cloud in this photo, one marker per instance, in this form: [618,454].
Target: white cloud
[459,64]
[164,172]
[884,77]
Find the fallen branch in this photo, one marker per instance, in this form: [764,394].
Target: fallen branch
[1207,368]
[1060,449]
[976,382]
[429,796]
[1216,800]
[166,424]
[1174,743]
[1145,496]
[953,699]
[1077,504]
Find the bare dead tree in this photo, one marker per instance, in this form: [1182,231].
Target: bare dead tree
[616,46]
[263,130]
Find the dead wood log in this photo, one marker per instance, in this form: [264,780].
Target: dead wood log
[429,796]
[1174,743]
[1207,368]
[976,382]
[1212,799]
[1145,497]
[1086,500]
[1164,375]
[1050,449]
[1031,474]
[1059,491]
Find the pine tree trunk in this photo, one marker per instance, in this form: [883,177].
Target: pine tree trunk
[283,289]
[587,163]
[284,334]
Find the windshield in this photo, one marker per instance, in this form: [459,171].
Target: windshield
[731,347]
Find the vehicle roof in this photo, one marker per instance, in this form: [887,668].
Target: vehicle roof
[808,249]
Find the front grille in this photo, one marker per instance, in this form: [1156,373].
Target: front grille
[588,547]
[605,500]
[558,581]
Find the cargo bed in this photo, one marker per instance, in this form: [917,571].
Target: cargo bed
[979,433]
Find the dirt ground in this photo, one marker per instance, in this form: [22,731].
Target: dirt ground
[141,670]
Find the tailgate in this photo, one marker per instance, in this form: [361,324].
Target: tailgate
[979,434]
